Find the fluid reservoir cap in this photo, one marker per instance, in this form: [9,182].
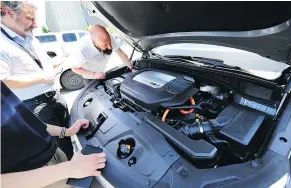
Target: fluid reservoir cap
[125,148]
[132,161]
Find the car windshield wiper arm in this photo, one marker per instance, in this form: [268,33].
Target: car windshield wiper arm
[209,62]
[205,61]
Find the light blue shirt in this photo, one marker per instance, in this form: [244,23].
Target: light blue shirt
[17,63]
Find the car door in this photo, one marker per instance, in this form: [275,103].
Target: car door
[69,42]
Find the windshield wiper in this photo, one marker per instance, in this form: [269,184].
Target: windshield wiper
[201,61]
[205,61]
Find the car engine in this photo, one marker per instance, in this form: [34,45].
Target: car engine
[225,130]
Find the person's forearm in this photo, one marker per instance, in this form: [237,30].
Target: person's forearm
[56,130]
[84,72]
[128,64]
[41,177]
[125,60]
[17,82]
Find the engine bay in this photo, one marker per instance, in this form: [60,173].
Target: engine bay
[228,128]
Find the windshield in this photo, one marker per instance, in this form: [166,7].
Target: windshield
[46,38]
[82,34]
[249,61]
[69,37]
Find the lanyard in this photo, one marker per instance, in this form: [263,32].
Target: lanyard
[32,56]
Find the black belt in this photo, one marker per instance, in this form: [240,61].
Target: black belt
[43,96]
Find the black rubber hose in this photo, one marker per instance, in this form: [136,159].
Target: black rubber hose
[197,130]
[191,130]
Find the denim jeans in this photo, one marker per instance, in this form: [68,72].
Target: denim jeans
[53,110]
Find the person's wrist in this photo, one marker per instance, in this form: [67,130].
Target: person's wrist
[64,132]
[68,132]
[66,169]
[130,66]
[41,79]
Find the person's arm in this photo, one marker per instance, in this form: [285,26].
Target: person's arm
[124,58]
[79,167]
[56,130]
[17,81]
[25,81]
[41,177]
[83,72]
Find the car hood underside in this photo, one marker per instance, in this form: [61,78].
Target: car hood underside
[260,27]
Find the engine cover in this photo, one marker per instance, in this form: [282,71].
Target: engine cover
[151,88]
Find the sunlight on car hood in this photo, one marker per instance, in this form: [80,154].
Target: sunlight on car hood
[256,64]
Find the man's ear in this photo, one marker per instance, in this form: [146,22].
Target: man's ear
[9,12]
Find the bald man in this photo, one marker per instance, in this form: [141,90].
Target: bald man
[94,51]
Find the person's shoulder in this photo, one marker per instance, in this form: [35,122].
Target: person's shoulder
[112,37]
[3,40]
[84,42]
[85,39]
[114,42]
[6,46]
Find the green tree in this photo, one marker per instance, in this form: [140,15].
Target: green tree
[45,30]
[110,29]
[88,28]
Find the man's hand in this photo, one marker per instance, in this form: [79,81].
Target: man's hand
[48,78]
[100,75]
[75,128]
[133,70]
[82,166]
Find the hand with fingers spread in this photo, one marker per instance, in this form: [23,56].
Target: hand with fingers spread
[82,166]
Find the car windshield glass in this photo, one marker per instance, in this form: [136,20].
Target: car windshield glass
[82,34]
[253,63]
[47,38]
[69,37]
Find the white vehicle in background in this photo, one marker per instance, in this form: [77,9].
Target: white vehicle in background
[61,45]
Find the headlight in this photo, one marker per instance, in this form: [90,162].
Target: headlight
[282,182]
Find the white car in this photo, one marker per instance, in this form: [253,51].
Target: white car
[61,45]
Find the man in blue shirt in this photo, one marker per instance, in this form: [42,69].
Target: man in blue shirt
[29,156]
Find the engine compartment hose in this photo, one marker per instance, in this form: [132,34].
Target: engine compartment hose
[165,114]
[190,110]
[197,129]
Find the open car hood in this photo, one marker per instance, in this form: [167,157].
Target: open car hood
[259,27]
